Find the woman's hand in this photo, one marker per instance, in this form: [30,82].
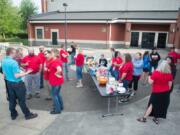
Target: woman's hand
[58,75]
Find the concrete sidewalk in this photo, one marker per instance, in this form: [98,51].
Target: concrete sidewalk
[91,122]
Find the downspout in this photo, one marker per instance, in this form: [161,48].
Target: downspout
[107,31]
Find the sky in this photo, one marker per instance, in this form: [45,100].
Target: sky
[37,3]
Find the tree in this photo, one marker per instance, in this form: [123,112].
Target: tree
[9,18]
[27,9]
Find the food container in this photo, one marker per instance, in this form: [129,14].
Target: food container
[112,80]
[121,90]
[110,88]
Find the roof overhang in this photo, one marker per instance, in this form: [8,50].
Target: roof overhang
[105,21]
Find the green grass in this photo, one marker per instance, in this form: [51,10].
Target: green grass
[16,39]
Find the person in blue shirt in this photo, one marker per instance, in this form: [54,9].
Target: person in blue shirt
[146,67]
[15,85]
[137,71]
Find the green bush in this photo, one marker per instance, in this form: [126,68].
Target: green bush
[15,39]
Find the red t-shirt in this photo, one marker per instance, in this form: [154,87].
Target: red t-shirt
[128,69]
[53,79]
[79,60]
[63,59]
[174,55]
[34,63]
[42,57]
[161,81]
[117,60]
[47,65]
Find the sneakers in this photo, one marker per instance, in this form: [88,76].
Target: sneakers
[14,117]
[29,96]
[31,116]
[37,95]
[48,98]
[53,112]
[79,86]
[133,94]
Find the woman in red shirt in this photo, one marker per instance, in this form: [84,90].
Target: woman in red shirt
[126,71]
[116,63]
[79,61]
[56,80]
[161,81]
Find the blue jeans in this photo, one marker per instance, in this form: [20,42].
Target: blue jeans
[42,79]
[17,91]
[65,71]
[79,72]
[57,99]
[126,84]
[114,73]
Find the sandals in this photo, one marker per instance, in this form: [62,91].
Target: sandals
[156,121]
[143,120]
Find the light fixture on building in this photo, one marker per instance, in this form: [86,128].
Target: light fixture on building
[128,29]
[173,30]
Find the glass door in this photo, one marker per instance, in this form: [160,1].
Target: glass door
[134,39]
[162,38]
[148,39]
[54,38]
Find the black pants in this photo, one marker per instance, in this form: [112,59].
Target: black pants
[17,91]
[7,92]
[134,82]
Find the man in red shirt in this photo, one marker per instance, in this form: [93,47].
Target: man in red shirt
[42,57]
[79,61]
[64,58]
[174,55]
[32,62]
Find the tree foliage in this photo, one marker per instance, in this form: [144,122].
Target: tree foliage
[27,9]
[9,18]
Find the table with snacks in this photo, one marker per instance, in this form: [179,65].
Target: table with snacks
[106,85]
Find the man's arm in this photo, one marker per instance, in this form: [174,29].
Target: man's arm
[19,75]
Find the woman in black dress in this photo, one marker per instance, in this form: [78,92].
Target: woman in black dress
[161,81]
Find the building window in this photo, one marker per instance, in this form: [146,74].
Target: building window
[39,33]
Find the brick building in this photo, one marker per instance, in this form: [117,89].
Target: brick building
[146,27]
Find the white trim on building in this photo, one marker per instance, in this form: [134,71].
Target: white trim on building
[39,27]
[55,30]
[80,41]
[113,21]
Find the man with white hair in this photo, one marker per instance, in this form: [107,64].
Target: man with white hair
[32,62]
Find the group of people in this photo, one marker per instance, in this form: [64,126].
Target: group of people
[148,68]
[23,74]
[51,67]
